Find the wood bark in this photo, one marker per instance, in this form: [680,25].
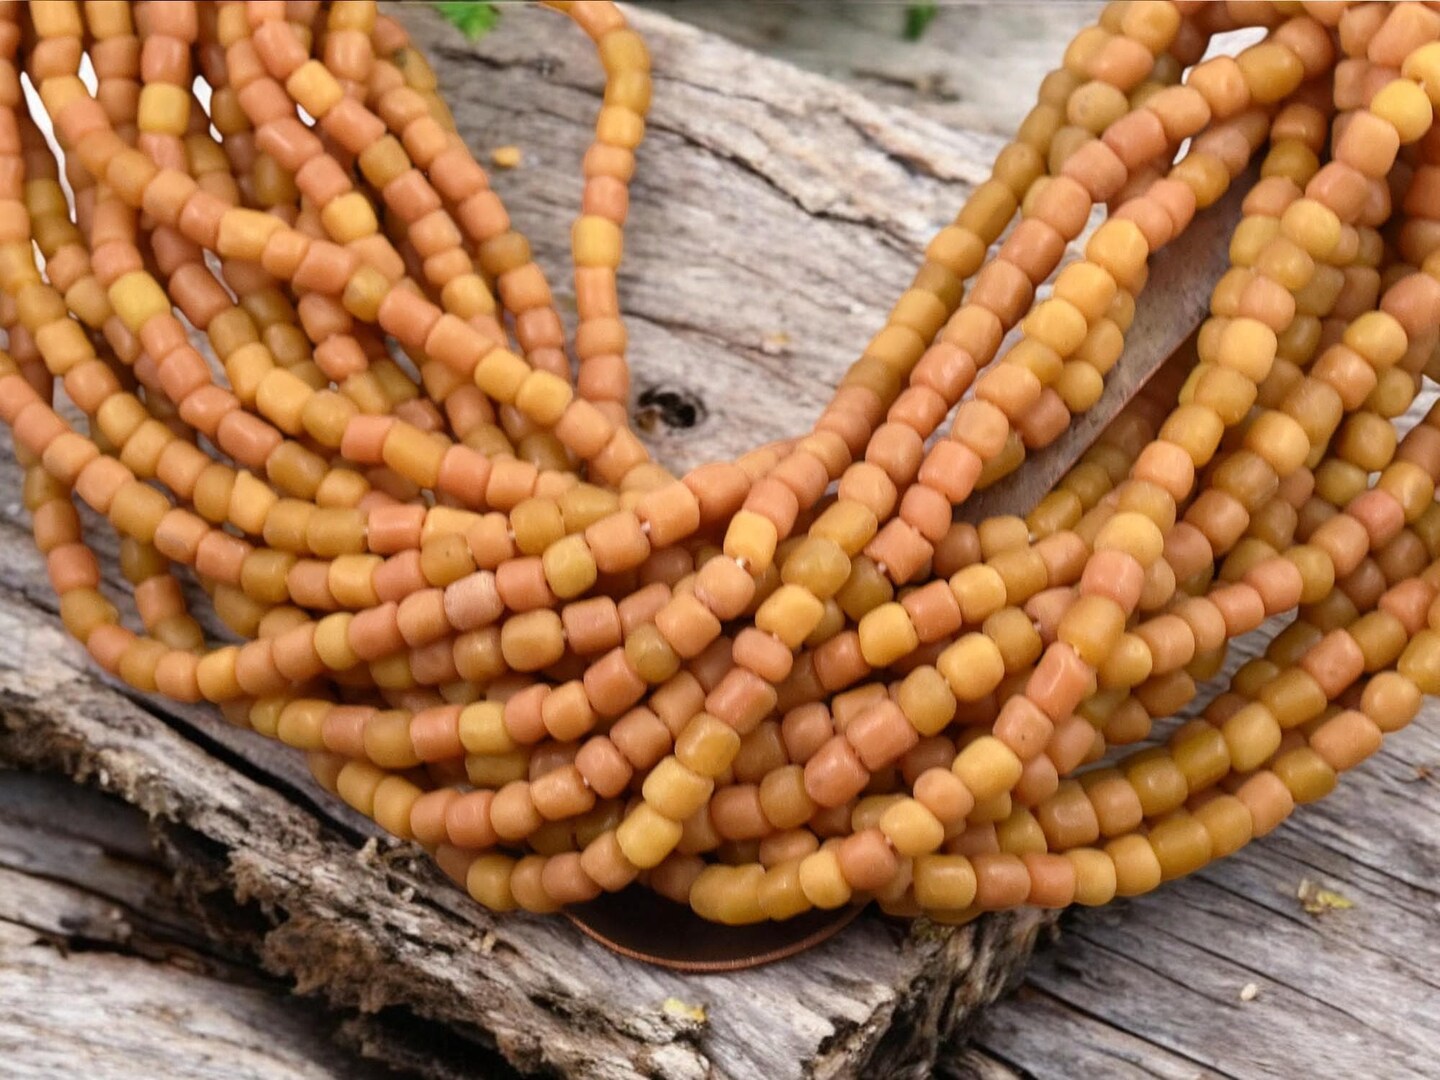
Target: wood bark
[775,216]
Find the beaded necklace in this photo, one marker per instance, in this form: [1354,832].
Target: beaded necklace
[793,681]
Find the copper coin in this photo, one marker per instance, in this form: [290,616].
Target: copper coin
[645,926]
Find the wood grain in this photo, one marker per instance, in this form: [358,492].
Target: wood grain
[1153,987]
[775,217]
[973,67]
[103,972]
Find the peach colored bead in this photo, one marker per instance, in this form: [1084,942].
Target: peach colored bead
[461,583]
[834,774]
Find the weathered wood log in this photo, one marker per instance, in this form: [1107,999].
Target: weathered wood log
[104,973]
[1249,969]
[1161,986]
[103,960]
[775,216]
[973,66]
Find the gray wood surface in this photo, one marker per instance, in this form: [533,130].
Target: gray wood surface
[139,986]
[1228,975]
[975,66]
[1162,986]
[775,217]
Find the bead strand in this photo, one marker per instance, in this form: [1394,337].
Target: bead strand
[463,587]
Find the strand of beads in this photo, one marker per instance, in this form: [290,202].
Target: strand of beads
[462,586]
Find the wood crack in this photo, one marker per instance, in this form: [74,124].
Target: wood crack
[375,938]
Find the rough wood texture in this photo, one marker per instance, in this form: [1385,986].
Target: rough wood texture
[775,216]
[103,974]
[99,952]
[1152,988]
[1157,987]
[973,67]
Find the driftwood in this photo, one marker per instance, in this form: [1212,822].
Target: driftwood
[775,215]
[975,65]
[1162,987]
[140,986]
[161,929]
[1235,974]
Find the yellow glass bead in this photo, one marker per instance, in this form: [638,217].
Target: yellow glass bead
[980,590]
[821,880]
[482,729]
[244,233]
[790,613]
[1420,662]
[646,837]
[781,895]
[652,657]
[988,767]
[1423,65]
[164,109]
[818,564]
[751,537]
[569,567]
[1058,324]
[383,161]
[314,88]
[972,666]
[1080,385]
[1312,225]
[494,771]
[597,241]
[1404,106]
[944,882]
[1134,534]
[886,635]
[500,374]
[1378,337]
[1119,248]
[1092,625]
[1410,486]
[357,784]
[911,828]
[926,700]
[488,882]
[349,217]
[707,746]
[1280,440]
[1247,346]
[1095,881]
[675,791]
[543,397]
[137,297]
[849,524]
[1271,71]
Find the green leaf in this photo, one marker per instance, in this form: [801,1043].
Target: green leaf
[473,18]
[918,17]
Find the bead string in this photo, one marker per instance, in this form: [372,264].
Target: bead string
[499,628]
